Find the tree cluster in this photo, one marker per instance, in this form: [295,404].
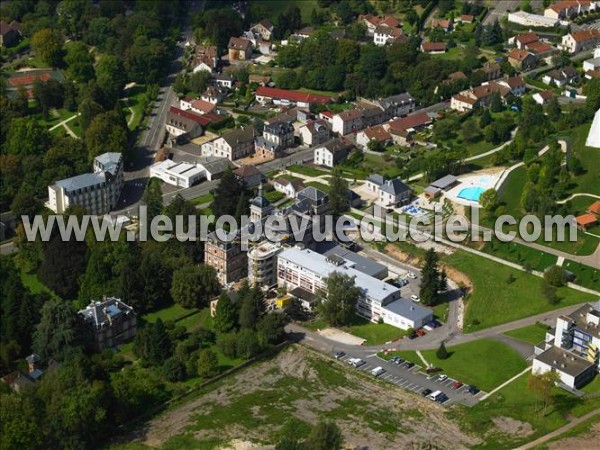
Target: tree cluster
[433,279]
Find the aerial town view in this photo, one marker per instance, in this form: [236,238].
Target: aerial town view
[299,224]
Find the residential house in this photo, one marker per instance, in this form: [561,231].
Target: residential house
[586,221]
[289,188]
[561,77]
[261,80]
[397,105]
[265,95]
[372,113]
[200,106]
[521,59]
[567,9]
[21,382]
[372,22]
[444,24]
[315,132]
[543,97]
[302,34]
[317,200]
[97,192]
[580,40]
[249,175]
[110,321]
[232,145]
[327,116]
[213,94]
[517,85]
[10,33]
[571,348]
[479,96]
[377,133]
[384,34]
[332,152]
[434,47]
[403,129]
[466,18]
[224,80]
[591,64]
[184,125]
[390,193]
[492,71]
[276,137]
[263,29]
[521,41]
[240,49]
[542,51]
[455,77]
[347,122]
[205,58]
[591,74]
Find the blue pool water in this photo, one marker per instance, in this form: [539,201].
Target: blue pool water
[471,193]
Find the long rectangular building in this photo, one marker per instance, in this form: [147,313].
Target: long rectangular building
[308,270]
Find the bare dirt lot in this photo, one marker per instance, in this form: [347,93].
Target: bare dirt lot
[301,385]
[582,442]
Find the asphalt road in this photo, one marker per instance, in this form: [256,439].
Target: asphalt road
[500,8]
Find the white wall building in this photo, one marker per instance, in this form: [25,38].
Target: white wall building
[308,270]
[97,192]
[531,20]
[180,174]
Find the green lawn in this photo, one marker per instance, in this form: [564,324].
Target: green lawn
[203,199]
[511,192]
[32,282]
[320,186]
[584,275]
[485,363]
[172,313]
[136,100]
[308,171]
[274,196]
[589,182]
[520,254]
[383,164]
[373,333]
[533,334]
[494,301]
[277,7]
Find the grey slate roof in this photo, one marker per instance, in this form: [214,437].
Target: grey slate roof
[312,194]
[376,179]
[215,164]
[362,264]
[408,309]
[98,313]
[394,187]
[241,135]
[444,182]
[109,161]
[82,181]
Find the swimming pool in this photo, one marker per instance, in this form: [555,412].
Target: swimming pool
[471,193]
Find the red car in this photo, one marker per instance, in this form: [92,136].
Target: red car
[457,384]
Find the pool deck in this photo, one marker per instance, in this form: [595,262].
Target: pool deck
[485,180]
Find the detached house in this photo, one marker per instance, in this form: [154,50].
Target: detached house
[492,71]
[205,58]
[561,77]
[444,24]
[403,129]
[249,175]
[391,193]
[347,122]
[276,137]
[384,34]
[233,145]
[434,47]
[213,94]
[567,9]
[183,126]
[240,49]
[263,29]
[397,105]
[542,98]
[580,40]
[517,85]
[314,132]
[10,33]
[376,133]
[290,188]
[521,59]
[332,152]
[521,41]
[224,80]
[285,97]
[479,96]
[110,321]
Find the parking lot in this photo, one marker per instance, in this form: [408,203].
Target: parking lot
[415,380]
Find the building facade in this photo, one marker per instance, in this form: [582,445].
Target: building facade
[110,321]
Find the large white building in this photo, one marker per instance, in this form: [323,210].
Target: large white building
[180,174]
[531,20]
[572,348]
[308,270]
[97,192]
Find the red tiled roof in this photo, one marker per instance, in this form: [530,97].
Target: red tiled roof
[546,95]
[203,120]
[239,43]
[440,23]
[594,208]
[586,219]
[539,47]
[246,171]
[416,120]
[514,82]
[26,80]
[434,46]
[587,35]
[465,99]
[377,133]
[467,18]
[202,105]
[327,114]
[294,96]
[517,54]
[527,38]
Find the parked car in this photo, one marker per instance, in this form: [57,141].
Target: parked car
[377,371]
[426,392]
[410,364]
[358,362]
[415,298]
[338,355]
[441,398]
[442,377]
[457,384]
[398,360]
[421,332]
[472,389]
[400,282]
[411,275]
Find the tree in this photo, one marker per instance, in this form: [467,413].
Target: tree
[542,385]
[208,364]
[325,436]
[555,276]
[47,43]
[430,278]
[549,293]
[152,198]
[496,102]
[338,301]
[227,195]
[25,203]
[193,286]
[80,62]
[153,344]
[226,316]
[592,91]
[146,60]
[553,109]
[247,344]
[270,329]
[252,307]
[489,201]
[19,414]
[155,277]
[442,353]
[107,132]
[338,194]
[111,76]
[58,331]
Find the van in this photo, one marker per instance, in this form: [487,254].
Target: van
[377,371]
[435,395]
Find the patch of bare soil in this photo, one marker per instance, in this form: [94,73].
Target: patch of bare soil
[397,254]
[458,277]
[512,427]
[371,415]
[583,442]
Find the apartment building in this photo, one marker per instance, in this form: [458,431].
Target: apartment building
[276,138]
[226,257]
[572,348]
[308,270]
[233,145]
[97,192]
[332,152]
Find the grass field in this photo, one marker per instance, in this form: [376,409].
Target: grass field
[172,313]
[520,254]
[584,275]
[32,282]
[373,333]
[308,171]
[533,334]
[203,199]
[275,7]
[495,301]
[382,164]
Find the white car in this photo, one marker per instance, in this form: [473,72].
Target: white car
[377,371]
[442,377]
[415,298]
[411,275]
